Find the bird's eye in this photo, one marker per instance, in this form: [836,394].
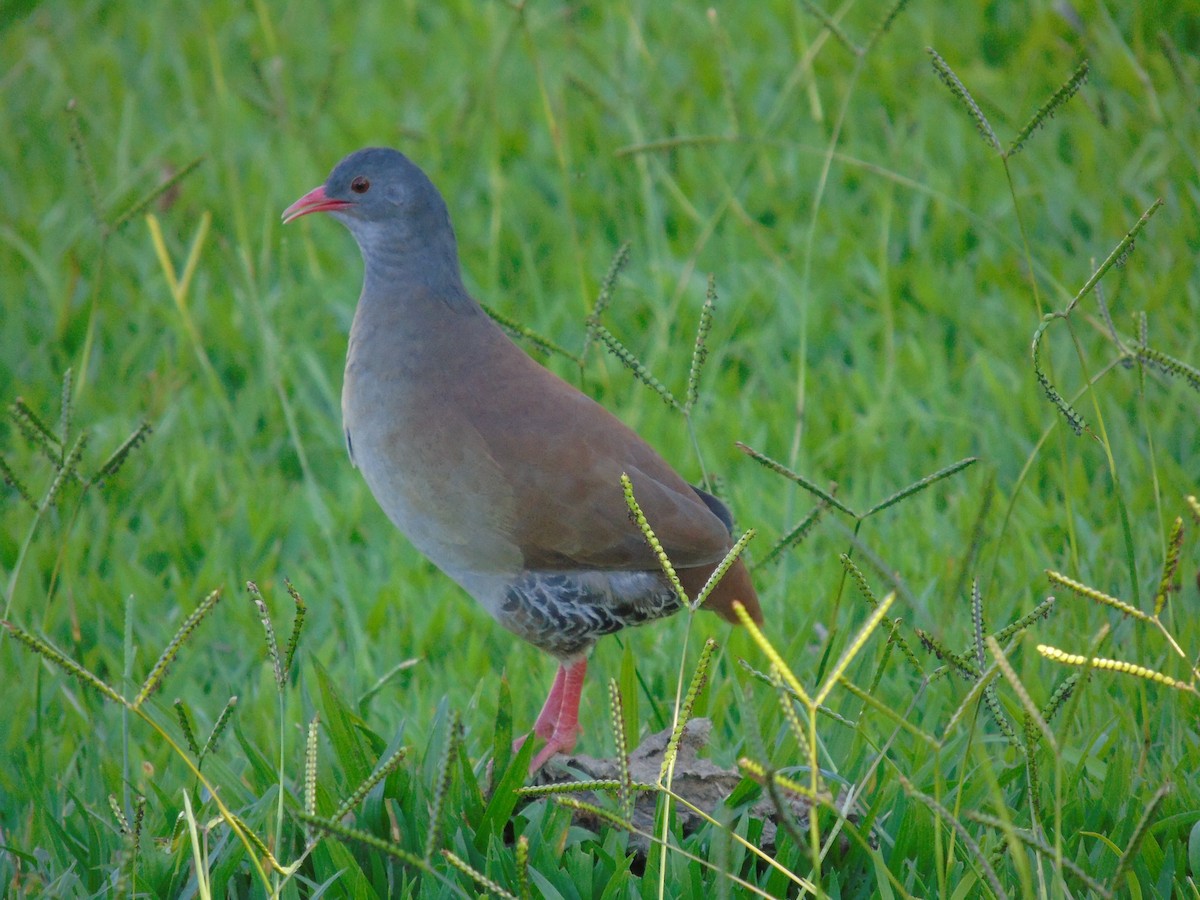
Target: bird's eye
[360,185]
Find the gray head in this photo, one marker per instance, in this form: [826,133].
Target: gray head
[394,212]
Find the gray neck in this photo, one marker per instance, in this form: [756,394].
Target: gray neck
[411,265]
[394,275]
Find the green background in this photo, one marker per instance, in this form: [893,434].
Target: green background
[872,259]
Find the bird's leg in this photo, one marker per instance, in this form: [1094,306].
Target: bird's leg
[548,717]
[568,685]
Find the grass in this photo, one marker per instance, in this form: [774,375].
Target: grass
[912,267]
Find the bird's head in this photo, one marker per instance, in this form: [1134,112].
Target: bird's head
[376,184]
[390,206]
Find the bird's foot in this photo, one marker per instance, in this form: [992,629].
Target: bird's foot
[558,722]
[558,743]
[543,728]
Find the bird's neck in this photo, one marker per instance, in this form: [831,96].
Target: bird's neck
[420,279]
[413,311]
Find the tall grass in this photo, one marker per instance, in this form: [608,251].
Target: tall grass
[949,384]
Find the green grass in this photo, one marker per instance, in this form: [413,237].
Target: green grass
[880,274]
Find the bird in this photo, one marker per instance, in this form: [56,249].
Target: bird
[501,473]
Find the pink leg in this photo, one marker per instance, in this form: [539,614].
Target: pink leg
[568,685]
[548,717]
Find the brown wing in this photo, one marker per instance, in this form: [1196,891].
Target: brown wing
[573,511]
[568,488]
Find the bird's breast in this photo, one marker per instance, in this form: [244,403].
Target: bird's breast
[427,466]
